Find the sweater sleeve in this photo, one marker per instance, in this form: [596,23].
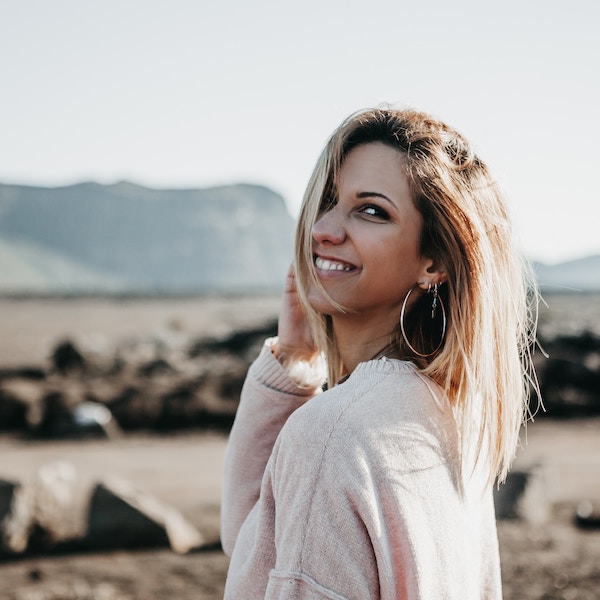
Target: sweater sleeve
[269,396]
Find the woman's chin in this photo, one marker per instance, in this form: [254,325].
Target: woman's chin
[321,303]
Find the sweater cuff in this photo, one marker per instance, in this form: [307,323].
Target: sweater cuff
[268,371]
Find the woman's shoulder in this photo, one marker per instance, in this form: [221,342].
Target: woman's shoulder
[381,387]
[385,420]
[382,402]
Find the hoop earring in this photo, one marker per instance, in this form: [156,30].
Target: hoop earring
[434,305]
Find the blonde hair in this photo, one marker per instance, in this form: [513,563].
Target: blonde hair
[484,364]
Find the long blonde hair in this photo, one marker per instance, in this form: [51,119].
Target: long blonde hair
[484,364]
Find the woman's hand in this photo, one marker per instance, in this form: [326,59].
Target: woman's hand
[295,337]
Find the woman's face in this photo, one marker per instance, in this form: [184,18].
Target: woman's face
[366,240]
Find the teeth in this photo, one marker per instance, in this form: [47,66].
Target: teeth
[328,265]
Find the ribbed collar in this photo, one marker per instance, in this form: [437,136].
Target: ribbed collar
[380,365]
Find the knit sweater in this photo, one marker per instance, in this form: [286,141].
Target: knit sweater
[353,494]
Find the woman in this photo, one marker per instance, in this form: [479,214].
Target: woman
[407,286]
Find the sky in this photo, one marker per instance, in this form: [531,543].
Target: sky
[196,93]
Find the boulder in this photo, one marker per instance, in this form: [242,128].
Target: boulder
[121,516]
[45,511]
[523,496]
[16,399]
[7,491]
[83,420]
[66,358]
[569,387]
[35,373]
[587,515]
[245,344]
[54,513]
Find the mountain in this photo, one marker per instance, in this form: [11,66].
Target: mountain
[127,238]
[572,276]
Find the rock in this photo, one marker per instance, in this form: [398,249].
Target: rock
[569,388]
[196,404]
[94,419]
[241,343]
[583,343]
[21,403]
[13,411]
[158,366]
[58,513]
[561,372]
[587,515]
[7,490]
[22,373]
[84,420]
[66,358]
[19,522]
[523,496]
[137,406]
[121,516]
[54,512]
[570,378]
[45,511]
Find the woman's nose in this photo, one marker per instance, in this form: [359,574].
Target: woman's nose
[329,228]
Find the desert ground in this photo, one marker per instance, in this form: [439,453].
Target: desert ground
[544,557]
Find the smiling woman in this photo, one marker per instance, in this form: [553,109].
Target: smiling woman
[366,248]
[406,289]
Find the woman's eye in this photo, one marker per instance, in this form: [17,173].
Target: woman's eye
[372,210]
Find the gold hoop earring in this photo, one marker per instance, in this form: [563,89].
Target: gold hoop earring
[437,300]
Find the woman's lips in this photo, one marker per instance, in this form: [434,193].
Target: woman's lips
[332,265]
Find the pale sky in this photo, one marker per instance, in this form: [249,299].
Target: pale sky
[194,93]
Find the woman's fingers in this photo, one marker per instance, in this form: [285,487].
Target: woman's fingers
[295,335]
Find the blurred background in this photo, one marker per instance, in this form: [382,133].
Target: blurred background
[153,157]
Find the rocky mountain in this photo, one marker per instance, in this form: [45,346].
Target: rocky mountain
[581,275]
[125,238]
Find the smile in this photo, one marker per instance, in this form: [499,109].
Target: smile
[324,264]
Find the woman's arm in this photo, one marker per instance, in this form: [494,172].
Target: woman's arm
[285,375]
[269,396]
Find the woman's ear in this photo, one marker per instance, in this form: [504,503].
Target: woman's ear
[433,272]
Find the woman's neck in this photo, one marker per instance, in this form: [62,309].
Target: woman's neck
[359,342]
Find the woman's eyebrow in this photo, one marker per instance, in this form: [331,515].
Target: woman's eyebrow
[362,195]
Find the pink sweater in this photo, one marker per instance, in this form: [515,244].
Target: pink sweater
[354,493]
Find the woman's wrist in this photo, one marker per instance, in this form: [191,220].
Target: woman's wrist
[306,369]
[287,354]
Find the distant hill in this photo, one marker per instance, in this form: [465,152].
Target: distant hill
[575,275]
[126,238]
[92,238]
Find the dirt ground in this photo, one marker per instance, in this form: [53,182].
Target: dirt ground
[183,471]
[550,559]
